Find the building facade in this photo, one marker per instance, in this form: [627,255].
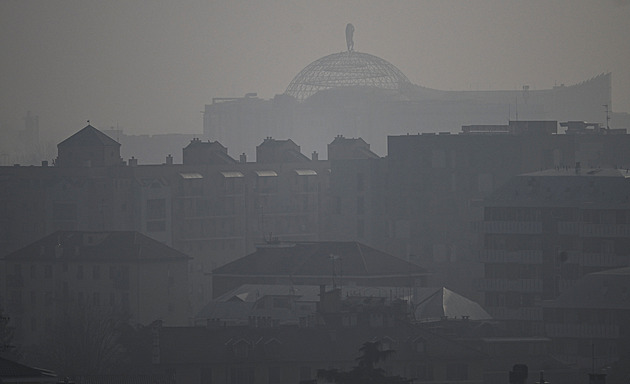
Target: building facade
[119,272]
[543,231]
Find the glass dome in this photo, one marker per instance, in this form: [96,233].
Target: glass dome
[346,69]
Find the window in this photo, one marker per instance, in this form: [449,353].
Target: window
[206,375]
[79,272]
[96,299]
[242,375]
[420,346]
[360,228]
[33,271]
[424,372]
[360,182]
[124,300]
[156,209]
[96,272]
[48,271]
[241,349]
[305,373]
[64,211]
[457,371]
[360,205]
[156,226]
[273,375]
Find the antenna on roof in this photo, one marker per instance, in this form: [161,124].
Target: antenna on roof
[333,258]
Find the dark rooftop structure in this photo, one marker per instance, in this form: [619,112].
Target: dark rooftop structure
[279,151]
[88,148]
[96,245]
[608,289]
[206,152]
[317,263]
[343,148]
[568,186]
[14,372]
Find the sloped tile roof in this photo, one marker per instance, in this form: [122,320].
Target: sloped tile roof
[197,345]
[608,289]
[11,371]
[88,137]
[96,245]
[435,303]
[317,259]
[565,187]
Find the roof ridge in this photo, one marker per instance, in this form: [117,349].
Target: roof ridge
[358,245]
[431,296]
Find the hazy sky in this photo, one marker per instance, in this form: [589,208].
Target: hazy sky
[150,66]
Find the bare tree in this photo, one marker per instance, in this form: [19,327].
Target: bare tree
[84,341]
[7,349]
[366,371]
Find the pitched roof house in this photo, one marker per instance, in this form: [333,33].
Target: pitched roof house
[336,263]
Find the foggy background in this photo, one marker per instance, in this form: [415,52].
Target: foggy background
[150,66]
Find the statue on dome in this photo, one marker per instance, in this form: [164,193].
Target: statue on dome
[349,33]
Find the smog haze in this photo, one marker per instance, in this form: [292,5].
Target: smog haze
[151,66]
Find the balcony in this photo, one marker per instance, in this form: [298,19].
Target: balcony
[593,230]
[511,227]
[602,260]
[582,330]
[509,285]
[502,256]
[15,281]
[523,313]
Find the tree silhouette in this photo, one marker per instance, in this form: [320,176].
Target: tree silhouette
[7,349]
[366,371]
[84,341]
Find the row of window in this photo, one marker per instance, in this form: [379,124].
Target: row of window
[591,216]
[82,298]
[115,272]
[420,372]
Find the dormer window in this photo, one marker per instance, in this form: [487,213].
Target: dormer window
[241,349]
[272,347]
[420,345]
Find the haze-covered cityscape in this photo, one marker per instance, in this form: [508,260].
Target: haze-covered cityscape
[315,192]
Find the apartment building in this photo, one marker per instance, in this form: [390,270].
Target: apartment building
[543,231]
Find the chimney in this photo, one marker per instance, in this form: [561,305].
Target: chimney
[133,162]
[44,163]
[596,378]
[315,156]
[169,160]
[518,374]
[577,167]
[243,158]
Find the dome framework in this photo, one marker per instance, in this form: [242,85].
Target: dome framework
[345,69]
